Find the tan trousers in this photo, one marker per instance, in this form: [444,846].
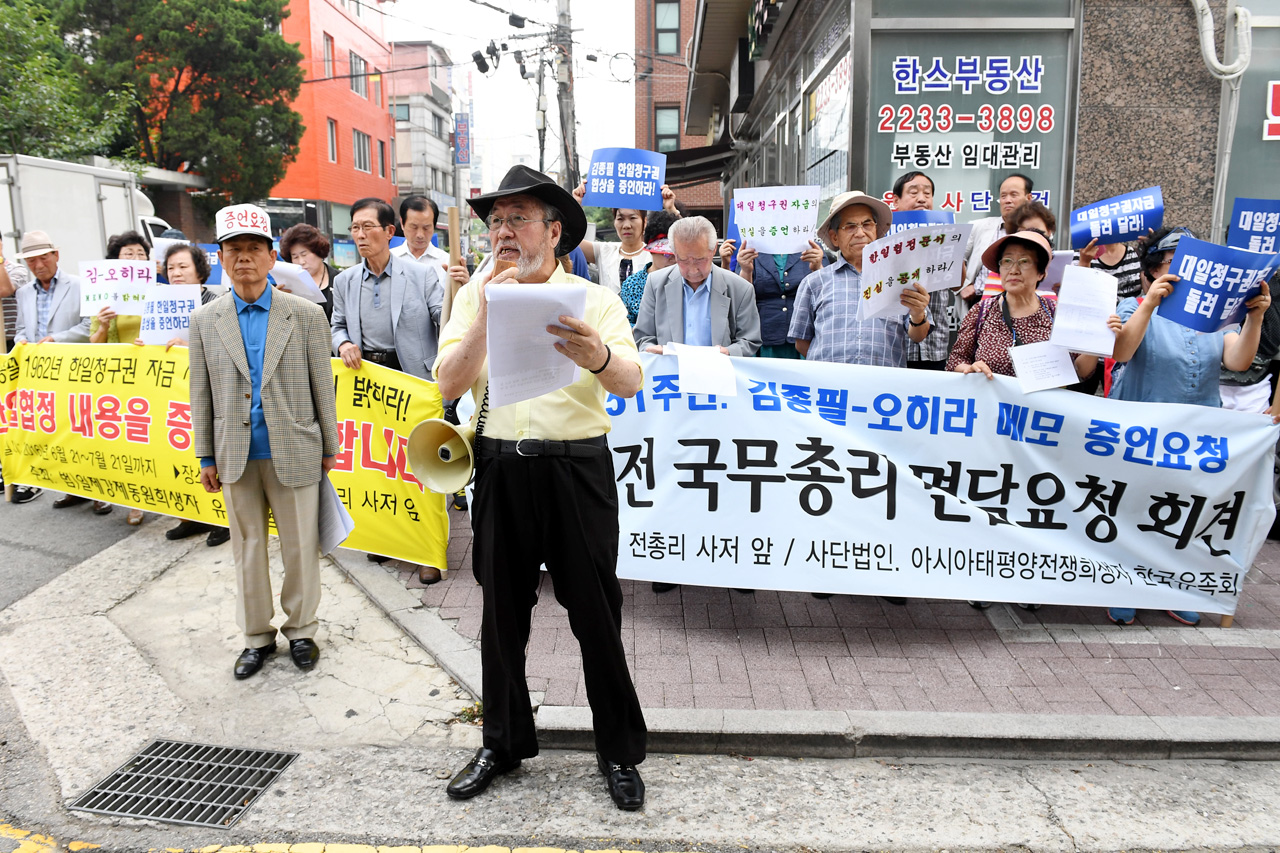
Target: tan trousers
[297,514]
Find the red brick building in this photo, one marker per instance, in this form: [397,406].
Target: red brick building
[348,148]
[663,30]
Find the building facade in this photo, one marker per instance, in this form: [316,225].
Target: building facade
[422,102]
[1080,95]
[664,29]
[348,149]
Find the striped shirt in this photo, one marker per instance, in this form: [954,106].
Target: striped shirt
[826,315]
[1128,272]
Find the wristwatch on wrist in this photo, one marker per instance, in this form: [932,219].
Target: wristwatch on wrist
[921,323]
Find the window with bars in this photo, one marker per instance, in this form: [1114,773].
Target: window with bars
[359,70]
[360,156]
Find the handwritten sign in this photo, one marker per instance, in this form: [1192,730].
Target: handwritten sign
[1255,223]
[1117,220]
[626,177]
[1214,284]
[120,284]
[931,257]
[166,312]
[906,219]
[777,220]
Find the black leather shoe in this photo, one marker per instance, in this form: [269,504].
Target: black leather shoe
[480,771]
[304,652]
[251,660]
[894,600]
[68,500]
[624,782]
[376,558]
[661,587]
[184,529]
[218,536]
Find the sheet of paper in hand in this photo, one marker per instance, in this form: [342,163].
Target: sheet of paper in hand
[121,284]
[1086,300]
[1214,284]
[776,220]
[930,256]
[626,177]
[166,312]
[1117,220]
[1255,224]
[297,281]
[523,360]
[1041,366]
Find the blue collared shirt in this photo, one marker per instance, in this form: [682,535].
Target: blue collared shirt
[1173,364]
[44,302]
[697,314]
[253,329]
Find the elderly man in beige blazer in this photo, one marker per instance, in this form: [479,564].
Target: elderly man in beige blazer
[265,429]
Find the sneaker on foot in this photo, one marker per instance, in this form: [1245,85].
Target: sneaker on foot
[1186,617]
[1122,615]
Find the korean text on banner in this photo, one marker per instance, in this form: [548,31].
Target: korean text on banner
[906,219]
[959,488]
[1118,220]
[166,313]
[777,220]
[1255,224]
[120,284]
[1214,284]
[113,422]
[928,256]
[626,177]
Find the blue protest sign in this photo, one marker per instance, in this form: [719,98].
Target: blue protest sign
[1255,222]
[1214,284]
[1117,220]
[626,177]
[904,219]
[731,233]
[215,268]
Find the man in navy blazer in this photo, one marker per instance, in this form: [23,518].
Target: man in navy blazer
[385,309]
[694,302]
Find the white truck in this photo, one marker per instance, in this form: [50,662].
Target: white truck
[78,206]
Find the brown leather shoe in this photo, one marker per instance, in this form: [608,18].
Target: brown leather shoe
[101,508]
[135,517]
[68,500]
[428,575]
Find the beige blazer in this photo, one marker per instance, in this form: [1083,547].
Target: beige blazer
[297,389]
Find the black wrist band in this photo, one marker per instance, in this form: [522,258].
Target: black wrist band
[921,323]
[607,358]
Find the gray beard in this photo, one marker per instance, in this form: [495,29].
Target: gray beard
[526,267]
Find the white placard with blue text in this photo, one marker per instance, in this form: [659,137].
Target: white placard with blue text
[626,177]
[776,220]
[166,312]
[119,284]
[882,481]
[1255,224]
[931,256]
[1118,220]
[1214,284]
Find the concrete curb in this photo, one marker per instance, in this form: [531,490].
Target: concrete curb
[844,734]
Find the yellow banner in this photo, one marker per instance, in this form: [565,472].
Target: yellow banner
[112,422]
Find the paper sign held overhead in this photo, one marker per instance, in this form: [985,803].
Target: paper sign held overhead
[777,220]
[1255,225]
[1117,220]
[1215,283]
[626,177]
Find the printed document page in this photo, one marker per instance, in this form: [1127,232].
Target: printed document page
[523,360]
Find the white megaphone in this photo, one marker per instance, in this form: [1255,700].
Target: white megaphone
[440,456]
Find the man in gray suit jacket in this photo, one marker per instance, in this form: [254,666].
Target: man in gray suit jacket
[48,310]
[265,427]
[386,309]
[696,303]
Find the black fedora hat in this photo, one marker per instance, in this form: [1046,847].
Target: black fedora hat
[521,180]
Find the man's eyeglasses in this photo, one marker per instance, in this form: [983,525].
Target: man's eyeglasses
[869,227]
[515,223]
[361,227]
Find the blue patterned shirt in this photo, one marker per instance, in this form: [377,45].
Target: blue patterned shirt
[44,302]
[826,315]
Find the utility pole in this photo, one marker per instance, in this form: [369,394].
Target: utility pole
[564,77]
[541,119]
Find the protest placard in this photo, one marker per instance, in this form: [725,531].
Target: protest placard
[120,284]
[1214,284]
[930,256]
[1255,222]
[905,219]
[1117,220]
[777,220]
[166,312]
[626,177]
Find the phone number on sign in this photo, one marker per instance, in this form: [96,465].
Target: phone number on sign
[944,118]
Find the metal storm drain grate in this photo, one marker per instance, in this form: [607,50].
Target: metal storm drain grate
[187,783]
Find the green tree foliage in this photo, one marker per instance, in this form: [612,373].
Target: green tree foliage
[214,82]
[44,110]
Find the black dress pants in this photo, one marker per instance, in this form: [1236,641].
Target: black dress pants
[561,511]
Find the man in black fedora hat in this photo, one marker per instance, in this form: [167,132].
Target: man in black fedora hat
[545,491]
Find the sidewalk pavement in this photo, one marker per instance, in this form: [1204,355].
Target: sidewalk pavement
[788,674]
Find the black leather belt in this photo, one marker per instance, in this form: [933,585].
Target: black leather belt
[385,357]
[582,447]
